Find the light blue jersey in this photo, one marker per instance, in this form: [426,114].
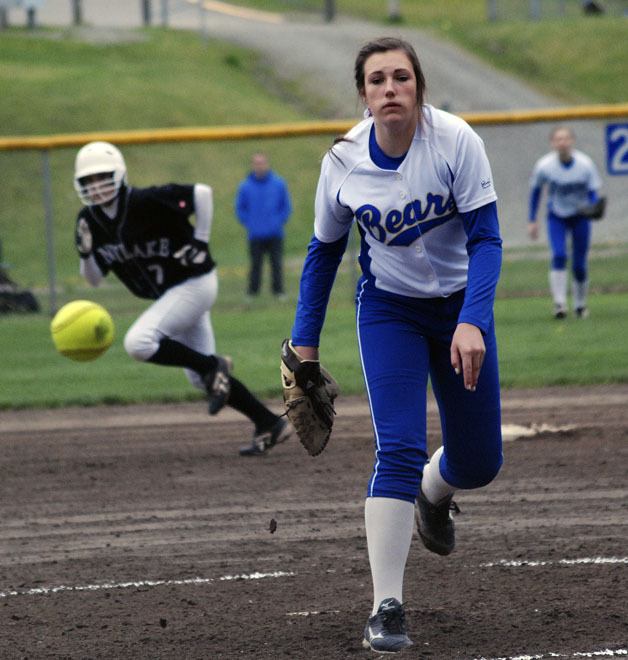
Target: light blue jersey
[428,223]
[410,217]
[570,186]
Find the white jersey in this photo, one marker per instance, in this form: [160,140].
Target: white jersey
[414,241]
[568,185]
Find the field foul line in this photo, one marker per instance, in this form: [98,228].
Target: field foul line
[38,591]
[606,653]
[502,563]
[524,563]
[312,613]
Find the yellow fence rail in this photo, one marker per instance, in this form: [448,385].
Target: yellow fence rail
[295,129]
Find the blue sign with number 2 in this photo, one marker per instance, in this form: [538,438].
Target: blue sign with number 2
[617,148]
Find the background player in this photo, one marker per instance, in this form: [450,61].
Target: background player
[145,237]
[418,183]
[263,206]
[572,181]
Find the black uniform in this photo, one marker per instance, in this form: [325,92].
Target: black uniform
[138,245]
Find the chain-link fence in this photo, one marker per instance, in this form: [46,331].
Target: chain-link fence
[39,234]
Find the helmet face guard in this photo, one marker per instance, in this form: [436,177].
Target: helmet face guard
[94,189]
[99,173]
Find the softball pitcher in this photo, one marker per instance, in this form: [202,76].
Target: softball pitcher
[145,237]
[417,182]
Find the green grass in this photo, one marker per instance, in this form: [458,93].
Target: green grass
[58,84]
[576,58]
[169,79]
[535,350]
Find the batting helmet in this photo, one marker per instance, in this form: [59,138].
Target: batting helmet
[99,172]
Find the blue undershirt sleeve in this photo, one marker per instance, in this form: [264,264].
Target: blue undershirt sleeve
[484,247]
[319,272]
[533,206]
[593,196]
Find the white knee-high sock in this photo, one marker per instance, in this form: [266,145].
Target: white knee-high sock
[580,290]
[389,526]
[558,286]
[434,487]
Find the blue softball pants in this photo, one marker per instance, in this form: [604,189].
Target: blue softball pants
[580,229]
[403,341]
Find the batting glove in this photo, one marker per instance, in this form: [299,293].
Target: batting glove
[193,255]
[84,240]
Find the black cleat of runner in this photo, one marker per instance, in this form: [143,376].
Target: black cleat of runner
[218,384]
[279,432]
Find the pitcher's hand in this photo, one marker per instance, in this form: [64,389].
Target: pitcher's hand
[467,353]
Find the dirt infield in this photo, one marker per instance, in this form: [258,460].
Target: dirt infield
[139,532]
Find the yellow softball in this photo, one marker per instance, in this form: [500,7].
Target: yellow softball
[82,330]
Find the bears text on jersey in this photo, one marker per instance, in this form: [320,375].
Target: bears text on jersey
[403,226]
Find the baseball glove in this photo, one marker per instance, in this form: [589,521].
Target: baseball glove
[309,391]
[594,211]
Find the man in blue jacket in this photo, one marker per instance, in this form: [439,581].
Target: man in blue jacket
[263,206]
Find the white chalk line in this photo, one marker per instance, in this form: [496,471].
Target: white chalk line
[313,613]
[502,563]
[39,591]
[605,653]
[523,563]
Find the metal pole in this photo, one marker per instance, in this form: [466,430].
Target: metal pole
[146,12]
[203,22]
[30,18]
[4,18]
[492,10]
[535,10]
[394,11]
[164,13]
[330,10]
[77,13]
[50,251]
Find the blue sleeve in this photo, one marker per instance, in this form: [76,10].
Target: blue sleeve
[533,206]
[241,205]
[484,247]
[319,272]
[286,206]
[593,196]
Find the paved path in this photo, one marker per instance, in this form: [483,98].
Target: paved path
[320,57]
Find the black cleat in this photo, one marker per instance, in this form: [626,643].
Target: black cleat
[385,631]
[218,384]
[560,312]
[582,312]
[435,524]
[279,432]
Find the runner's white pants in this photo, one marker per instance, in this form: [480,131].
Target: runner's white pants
[183,314]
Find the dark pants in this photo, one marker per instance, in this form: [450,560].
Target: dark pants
[258,247]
